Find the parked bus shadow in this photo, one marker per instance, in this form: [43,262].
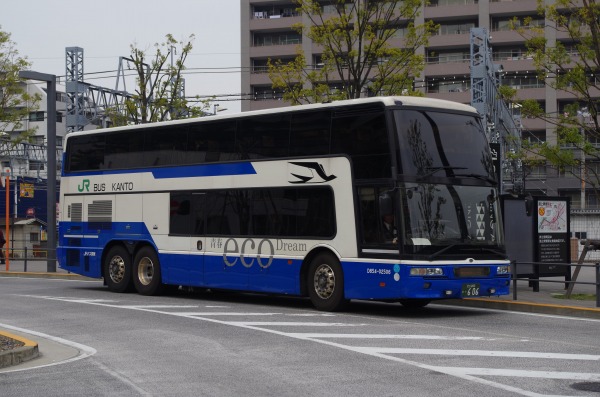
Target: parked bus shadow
[379,308]
[362,307]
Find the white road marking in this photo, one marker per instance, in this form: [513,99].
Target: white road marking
[389,336]
[521,373]
[290,323]
[482,353]
[463,373]
[160,307]
[226,314]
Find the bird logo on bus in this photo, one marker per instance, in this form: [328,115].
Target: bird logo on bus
[310,169]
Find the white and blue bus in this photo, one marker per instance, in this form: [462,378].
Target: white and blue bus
[391,199]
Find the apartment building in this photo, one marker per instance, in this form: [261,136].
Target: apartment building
[266,32]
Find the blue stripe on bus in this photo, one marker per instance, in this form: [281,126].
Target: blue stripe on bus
[204,170]
[182,172]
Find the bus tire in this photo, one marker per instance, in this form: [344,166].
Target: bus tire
[146,272]
[414,303]
[326,283]
[117,269]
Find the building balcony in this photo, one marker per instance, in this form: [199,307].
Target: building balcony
[274,51]
[512,7]
[461,97]
[447,68]
[266,104]
[462,9]
[460,38]
[533,124]
[274,22]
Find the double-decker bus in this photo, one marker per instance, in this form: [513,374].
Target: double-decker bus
[391,199]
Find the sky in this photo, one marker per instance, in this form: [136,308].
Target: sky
[42,29]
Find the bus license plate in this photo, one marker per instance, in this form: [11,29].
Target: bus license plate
[471,289]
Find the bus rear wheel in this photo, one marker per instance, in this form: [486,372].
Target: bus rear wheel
[117,269]
[146,272]
[326,283]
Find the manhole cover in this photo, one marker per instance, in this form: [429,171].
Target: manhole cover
[587,386]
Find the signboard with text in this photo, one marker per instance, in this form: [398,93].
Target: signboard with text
[552,234]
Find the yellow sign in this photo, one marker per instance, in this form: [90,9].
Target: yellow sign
[27,190]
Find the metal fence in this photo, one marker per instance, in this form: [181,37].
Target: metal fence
[536,278]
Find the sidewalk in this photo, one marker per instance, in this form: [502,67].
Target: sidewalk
[544,301]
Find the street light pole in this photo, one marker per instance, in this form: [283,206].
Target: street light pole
[50,80]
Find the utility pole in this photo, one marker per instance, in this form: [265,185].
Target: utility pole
[50,80]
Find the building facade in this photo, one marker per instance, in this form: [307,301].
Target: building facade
[266,32]
[28,159]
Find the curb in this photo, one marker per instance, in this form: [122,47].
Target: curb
[19,355]
[62,276]
[527,307]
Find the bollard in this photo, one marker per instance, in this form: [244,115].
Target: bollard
[25,258]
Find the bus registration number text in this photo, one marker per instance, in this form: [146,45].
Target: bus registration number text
[371,270]
[470,289]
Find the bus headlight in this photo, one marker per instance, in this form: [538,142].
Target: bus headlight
[426,271]
[503,269]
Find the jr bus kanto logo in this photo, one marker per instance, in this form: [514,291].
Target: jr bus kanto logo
[85,184]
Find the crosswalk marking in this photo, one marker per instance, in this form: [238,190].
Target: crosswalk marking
[482,353]
[388,353]
[290,324]
[389,336]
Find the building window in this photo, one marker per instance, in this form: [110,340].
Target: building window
[441,85]
[34,237]
[437,3]
[534,137]
[59,117]
[36,165]
[277,38]
[266,93]
[454,56]
[509,23]
[456,28]
[36,116]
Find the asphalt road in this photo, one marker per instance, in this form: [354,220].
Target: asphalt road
[97,343]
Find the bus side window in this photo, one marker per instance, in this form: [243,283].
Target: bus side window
[368,210]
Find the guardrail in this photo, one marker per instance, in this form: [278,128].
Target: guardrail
[537,278]
[23,256]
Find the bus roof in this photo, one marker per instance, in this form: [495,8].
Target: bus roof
[404,101]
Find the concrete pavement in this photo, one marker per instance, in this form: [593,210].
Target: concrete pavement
[545,301]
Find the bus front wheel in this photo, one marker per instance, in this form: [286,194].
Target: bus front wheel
[146,272]
[326,283]
[117,269]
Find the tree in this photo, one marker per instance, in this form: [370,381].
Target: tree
[358,57]
[159,92]
[15,102]
[572,66]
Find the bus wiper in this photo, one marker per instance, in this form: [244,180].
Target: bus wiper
[440,252]
[433,170]
[477,176]
[492,250]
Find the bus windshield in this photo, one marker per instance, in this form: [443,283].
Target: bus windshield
[460,217]
[436,144]
[448,194]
